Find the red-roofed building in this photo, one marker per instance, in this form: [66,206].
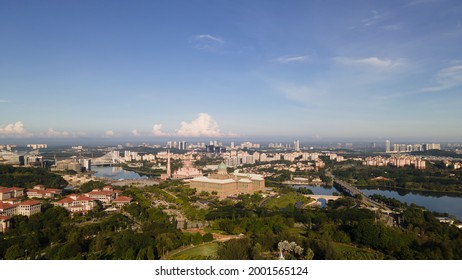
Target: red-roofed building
[7,209]
[25,208]
[29,208]
[4,223]
[121,201]
[105,196]
[41,192]
[17,192]
[5,194]
[77,204]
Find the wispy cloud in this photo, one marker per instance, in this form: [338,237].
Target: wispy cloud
[392,27]
[374,19]
[371,62]
[292,58]
[54,133]
[308,95]
[446,78]
[420,2]
[207,42]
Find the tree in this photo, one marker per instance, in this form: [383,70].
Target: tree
[309,254]
[235,249]
[14,252]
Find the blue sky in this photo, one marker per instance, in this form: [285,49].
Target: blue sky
[304,69]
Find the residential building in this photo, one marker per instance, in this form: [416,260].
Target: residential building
[40,191]
[4,223]
[29,208]
[121,201]
[25,208]
[77,203]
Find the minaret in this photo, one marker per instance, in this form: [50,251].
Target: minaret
[169,172]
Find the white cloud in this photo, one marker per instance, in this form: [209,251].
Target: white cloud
[288,58]
[447,78]
[109,133]
[135,132]
[204,125]
[374,19]
[392,27]
[207,42]
[301,93]
[157,130]
[13,129]
[54,133]
[370,61]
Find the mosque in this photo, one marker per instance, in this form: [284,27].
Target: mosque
[224,184]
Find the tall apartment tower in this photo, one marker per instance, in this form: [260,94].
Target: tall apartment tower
[387,146]
[169,172]
[297,145]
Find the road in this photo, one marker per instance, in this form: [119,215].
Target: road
[353,191]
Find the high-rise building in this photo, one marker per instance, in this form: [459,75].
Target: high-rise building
[297,145]
[387,146]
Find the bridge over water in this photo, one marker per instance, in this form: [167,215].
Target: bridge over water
[107,159]
[353,191]
[325,197]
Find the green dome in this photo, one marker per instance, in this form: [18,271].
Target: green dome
[222,166]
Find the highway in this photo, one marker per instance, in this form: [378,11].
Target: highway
[353,191]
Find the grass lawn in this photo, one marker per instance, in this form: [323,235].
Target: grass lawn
[283,200]
[200,252]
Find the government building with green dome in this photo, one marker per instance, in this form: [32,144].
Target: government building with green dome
[224,184]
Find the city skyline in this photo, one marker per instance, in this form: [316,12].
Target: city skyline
[231,70]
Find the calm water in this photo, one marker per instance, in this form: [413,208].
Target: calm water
[434,202]
[115,173]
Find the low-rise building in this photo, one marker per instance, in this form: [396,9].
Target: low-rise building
[77,203]
[29,208]
[7,209]
[121,201]
[4,223]
[25,208]
[40,191]
[105,196]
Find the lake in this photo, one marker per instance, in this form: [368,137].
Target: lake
[115,173]
[442,203]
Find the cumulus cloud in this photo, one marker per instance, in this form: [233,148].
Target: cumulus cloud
[374,62]
[204,125]
[157,130]
[207,42]
[13,129]
[292,58]
[109,133]
[447,78]
[54,133]
[135,132]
